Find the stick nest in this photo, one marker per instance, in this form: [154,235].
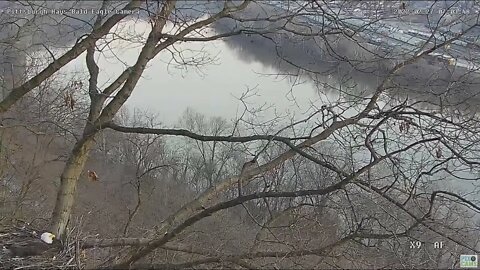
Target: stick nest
[63,257]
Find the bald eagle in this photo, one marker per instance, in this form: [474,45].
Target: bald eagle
[247,166]
[92,175]
[32,246]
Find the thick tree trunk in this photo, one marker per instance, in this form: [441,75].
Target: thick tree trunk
[68,185]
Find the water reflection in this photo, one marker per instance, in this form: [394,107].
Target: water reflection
[243,62]
[330,62]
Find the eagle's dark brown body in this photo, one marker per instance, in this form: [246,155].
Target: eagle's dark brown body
[247,166]
[30,247]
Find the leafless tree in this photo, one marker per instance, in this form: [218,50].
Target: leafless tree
[372,177]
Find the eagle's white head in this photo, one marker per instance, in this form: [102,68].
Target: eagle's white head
[47,237]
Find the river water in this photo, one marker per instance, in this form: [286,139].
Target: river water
[249,63]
